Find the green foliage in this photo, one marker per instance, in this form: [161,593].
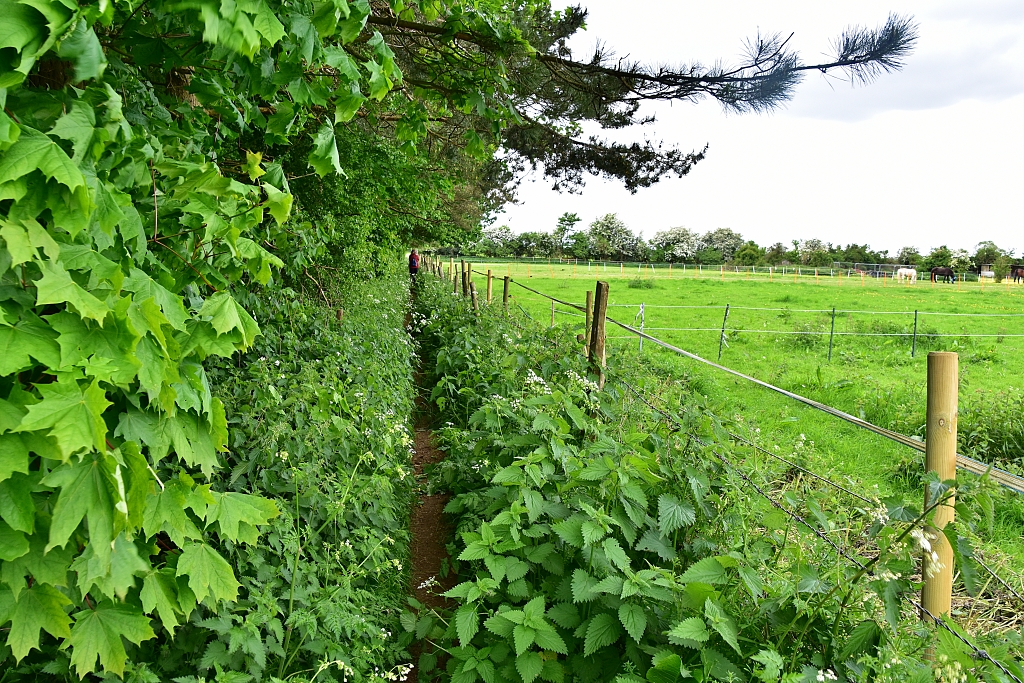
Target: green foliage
[646,556]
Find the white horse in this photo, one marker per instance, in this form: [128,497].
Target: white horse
[906,274]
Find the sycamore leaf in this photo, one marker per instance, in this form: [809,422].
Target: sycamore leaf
[144,287]
[18,245]
[165,511]
[208,573]
[278,203]
[13,455]
[226,315]
[84,492]
[84,49]
[119,577]
[16,506]
[98,632]
[237,515]
[159,594]
[35,150]
[72,416]
[25,340]
[601,631]
[324,158]
[39,607]
[77,126]
[13,544]
[267,24]
[57,287]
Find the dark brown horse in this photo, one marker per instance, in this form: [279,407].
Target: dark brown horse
[1016,272]
[946,274]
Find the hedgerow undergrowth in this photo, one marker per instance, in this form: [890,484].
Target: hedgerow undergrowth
[599,541]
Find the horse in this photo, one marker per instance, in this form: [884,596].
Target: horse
[946,274]
[1017,273]
[906,274]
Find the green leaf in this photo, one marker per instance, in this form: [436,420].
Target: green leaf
[208,573]
[72,416]
[98,632]
[691,632]
[720,620]
[16,506]
[324,158]
[238,515]
[667,670]
[863,639]
[278,203]
[13,455]
[27,340]
[523,637]
[615,554]
[18,245]
[159,594]
[13,544]
[267,24]
[77,126]
[39,607]
[565,614]
[709,570]
[144,287]
[84,49]
[583,585]
[467,623]
[116,577]
[499,626]
[602,630]
[773,664]
[529,666]
[226,314]
[673,514]
[84,492]
[550,640]
[633,620]
[36,151]
[57,287]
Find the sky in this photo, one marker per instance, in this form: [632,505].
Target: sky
[930,155]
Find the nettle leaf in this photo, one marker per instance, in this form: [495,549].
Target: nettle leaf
[615,554]
[862,640]
[667,669]
[40,607]
[97,633]
[583,586]
[720,620]
[237,515]
[691,632]
[73,416]
[209,574]
[529,666]
[602,630]
[673,514]
[633,620]
[709,570]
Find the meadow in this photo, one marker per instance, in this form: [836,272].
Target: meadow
[874,377]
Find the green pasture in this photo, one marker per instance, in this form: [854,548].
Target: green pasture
[874,377]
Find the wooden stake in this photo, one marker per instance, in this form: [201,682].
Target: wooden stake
[504,293]
[490,290]
[476,302]
[831,334]
[589,306]
[597,335]
[940,457]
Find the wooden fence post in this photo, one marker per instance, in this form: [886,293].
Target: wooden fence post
[940,457]
[721,340]
[597,338]
[913,348]
[589,306]
[490,290]
[455,280]
[476,302]
[552,313]
[504,293]
[465,280]
[831,334]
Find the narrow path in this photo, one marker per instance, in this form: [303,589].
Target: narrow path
[428,528]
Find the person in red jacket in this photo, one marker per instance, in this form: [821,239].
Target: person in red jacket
[414,264]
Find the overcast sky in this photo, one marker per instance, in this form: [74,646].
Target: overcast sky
[927,156]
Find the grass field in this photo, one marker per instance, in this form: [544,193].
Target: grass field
[871,376]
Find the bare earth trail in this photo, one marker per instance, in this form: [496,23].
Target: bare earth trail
[428,528]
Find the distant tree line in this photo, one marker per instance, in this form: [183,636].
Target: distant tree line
[609,238]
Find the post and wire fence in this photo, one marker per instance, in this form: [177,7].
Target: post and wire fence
[939,446]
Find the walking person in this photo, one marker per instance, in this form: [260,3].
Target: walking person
[414,264]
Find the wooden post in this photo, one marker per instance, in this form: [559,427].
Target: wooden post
[455,280]
[490,290]
[643,318]
[476,302]
[597,338]
[940,457]
[589,306]
[552,313]
[504,293]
